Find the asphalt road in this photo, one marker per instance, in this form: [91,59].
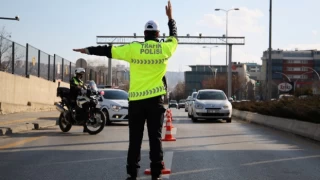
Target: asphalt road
[207,150]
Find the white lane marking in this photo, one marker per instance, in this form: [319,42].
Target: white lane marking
[168,156]
[280,160]
[88,160]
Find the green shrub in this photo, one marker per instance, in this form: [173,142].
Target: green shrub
[300,109]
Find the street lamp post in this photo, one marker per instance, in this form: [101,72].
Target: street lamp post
[284,75]
[215,76]
[313,71]
[295,82]
[15,18]
[210,51]
[229,67]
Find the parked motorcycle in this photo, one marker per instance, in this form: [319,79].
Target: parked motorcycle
[83,112]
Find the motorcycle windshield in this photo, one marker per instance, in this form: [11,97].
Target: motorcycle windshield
[93,86]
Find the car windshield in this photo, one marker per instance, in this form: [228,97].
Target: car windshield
[115,94]
[211,95]
[173,101]
[182,101]
[194,95]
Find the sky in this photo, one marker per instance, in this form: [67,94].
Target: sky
[57,27]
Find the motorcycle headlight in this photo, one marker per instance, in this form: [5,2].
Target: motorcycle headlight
[198,106]
[115,107]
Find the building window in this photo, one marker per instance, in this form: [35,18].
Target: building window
[289,69]
[304,69]
[297,69]
[296,76]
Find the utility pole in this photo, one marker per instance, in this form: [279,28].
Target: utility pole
[269,61]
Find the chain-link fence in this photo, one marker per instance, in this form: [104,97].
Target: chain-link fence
[28,60]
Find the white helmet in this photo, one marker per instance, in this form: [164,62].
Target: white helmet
[80,71]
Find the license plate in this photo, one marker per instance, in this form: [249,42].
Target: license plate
[213,111]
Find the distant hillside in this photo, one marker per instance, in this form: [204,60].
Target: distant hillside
[173,78]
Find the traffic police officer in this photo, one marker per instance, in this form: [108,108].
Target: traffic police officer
[76,84]
[148,64]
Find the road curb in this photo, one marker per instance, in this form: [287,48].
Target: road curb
[27,126]
[305,129]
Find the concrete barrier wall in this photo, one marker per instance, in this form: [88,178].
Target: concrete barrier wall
[306,129]
[18,90]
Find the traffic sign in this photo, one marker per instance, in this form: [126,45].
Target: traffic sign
[285,87]
[81,63]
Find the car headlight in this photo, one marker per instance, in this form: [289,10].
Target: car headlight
[226,106]
[115,107]
[198,106]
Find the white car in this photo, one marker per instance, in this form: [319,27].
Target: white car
[193,97]
[114,104]
[211,104]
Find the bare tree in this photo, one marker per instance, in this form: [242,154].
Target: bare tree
[125,86]
[97,66]
[179,91]
[217,82]
[6,52]
[5,49]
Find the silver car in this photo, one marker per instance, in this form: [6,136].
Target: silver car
[193,97]
[211,104]
[187,104]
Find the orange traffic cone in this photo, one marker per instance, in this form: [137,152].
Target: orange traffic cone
[170,113]
[169,121]
[169,136]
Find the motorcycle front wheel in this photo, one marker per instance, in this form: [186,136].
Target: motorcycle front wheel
[64,125]
[98,122]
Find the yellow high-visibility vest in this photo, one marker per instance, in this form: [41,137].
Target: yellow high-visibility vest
[148,64]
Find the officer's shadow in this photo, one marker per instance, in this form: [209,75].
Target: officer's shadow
[118,124]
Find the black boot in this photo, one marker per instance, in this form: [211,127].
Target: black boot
[156,169]
[132,172]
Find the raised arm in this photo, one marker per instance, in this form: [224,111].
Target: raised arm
[171,42]
[96,50]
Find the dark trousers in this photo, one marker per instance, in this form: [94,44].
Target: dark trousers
[152,111]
